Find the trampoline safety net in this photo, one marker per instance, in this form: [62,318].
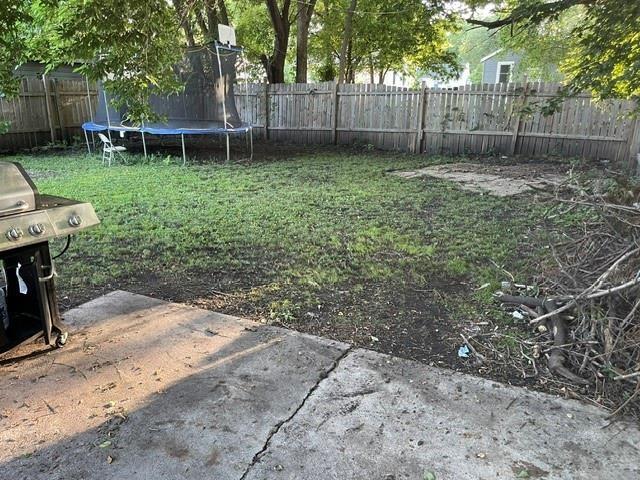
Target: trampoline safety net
[206,101]
[206,105]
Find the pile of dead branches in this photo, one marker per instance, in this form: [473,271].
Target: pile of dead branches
[585,306]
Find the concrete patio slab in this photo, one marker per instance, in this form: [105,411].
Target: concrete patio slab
[148,389]
[153,390]
[382,417]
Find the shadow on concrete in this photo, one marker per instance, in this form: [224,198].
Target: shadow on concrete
[153,390]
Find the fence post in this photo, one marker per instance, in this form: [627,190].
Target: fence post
[422,102]
[47,98]
[55,95]
[336,104]
[634,148]
[266,110]
[516,129]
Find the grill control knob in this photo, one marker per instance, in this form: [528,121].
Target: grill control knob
[37,229]
[14,234]
[75,220]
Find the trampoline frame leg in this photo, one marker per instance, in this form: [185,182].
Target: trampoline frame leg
[184,152]
[144,146]
[228,147]
[86,137]
[251,142]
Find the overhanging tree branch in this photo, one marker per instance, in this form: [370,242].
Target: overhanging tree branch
[531,14]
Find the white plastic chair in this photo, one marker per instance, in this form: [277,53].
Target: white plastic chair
[109,149]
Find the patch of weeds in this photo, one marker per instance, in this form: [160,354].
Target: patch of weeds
[457,266]
[283,311]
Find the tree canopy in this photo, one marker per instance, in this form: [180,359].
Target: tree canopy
[13,19]
[128,44]
[404,35]
[596,42]
[133,44]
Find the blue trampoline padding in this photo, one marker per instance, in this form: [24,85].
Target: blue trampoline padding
[101,127]
[175,127]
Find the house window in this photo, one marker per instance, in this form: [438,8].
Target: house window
[505,71]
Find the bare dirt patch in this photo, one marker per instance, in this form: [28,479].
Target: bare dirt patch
[501,181]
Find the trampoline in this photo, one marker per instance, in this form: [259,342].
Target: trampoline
[206,106]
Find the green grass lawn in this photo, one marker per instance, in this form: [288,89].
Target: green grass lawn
[328,243]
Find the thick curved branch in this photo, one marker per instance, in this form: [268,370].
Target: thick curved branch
[556,357]
[530,14]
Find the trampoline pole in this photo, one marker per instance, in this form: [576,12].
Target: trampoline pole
[184,153]
[243,60]
[224,87]
[224,99]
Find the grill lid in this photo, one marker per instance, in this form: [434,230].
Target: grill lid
[17,192]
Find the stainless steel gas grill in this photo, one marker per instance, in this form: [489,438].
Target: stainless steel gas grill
[28,221]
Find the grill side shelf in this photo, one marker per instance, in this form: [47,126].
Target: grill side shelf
[70,219]
[42,225]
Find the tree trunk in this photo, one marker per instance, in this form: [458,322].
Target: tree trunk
[274,66]
[216,11]
[183,17]
[274,63]
[305,13]
[207,16]
[383,75]
[204,28]
[223,14]
[346,40]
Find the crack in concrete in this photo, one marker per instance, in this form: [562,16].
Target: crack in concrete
[280,424]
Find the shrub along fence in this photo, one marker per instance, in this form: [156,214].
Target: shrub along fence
[511,119]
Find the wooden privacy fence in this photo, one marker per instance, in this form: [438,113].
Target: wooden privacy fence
[47,110]
[475,119]
[512,119]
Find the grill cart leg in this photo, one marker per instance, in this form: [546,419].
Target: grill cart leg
[46,283]
[31,298]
